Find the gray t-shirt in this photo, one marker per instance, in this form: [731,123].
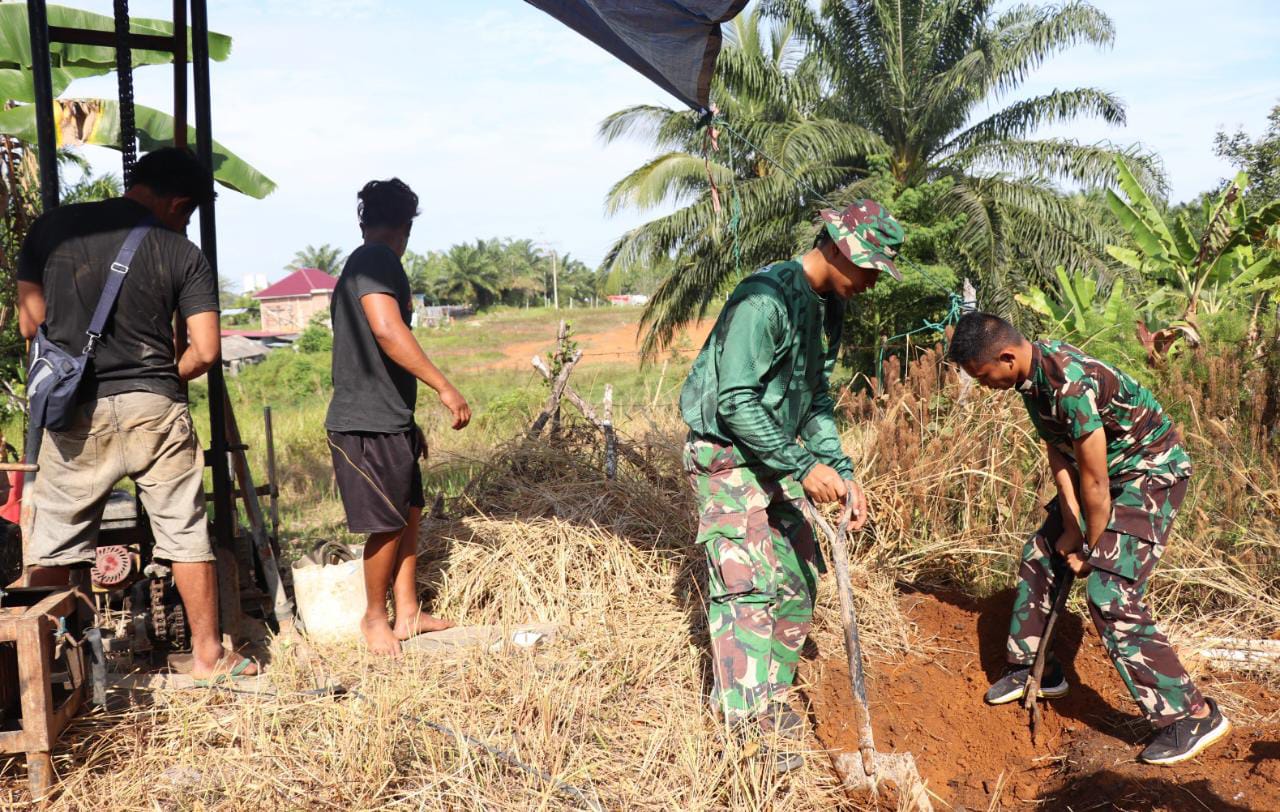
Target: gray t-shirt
[370,391]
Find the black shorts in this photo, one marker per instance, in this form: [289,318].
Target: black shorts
[378,478]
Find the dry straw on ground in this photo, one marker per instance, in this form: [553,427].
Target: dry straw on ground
[615,708]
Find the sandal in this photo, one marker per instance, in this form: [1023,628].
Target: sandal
[236,674]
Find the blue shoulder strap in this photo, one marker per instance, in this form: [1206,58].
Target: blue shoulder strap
[115,280]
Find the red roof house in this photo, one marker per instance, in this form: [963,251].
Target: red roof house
[289,305]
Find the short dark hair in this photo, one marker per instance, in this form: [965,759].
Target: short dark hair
[978,337]
[174,172]
[823,237]
[386,203]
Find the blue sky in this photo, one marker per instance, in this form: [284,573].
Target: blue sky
[489,109]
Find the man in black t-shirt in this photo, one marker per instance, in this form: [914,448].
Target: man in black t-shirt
[375,443]
[132,419]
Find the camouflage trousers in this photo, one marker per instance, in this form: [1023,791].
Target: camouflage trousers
[1142,515]
[761,576]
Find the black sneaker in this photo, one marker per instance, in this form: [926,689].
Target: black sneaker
[1186,738]
[1013,684]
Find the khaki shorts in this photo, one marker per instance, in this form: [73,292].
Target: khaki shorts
[141,435]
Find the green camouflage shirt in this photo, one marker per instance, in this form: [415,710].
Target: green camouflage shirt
[761,379]
[1070,395]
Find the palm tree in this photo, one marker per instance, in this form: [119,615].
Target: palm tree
[853,89]
[326,258]
[472,274]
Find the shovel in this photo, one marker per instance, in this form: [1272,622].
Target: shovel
[869,769]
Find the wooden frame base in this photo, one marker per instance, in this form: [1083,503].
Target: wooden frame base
[29,619]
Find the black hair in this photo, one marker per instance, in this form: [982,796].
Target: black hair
[979,337]
[386,203]
[823,237]
[174,172]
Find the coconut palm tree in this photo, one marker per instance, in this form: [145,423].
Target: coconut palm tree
[835,94]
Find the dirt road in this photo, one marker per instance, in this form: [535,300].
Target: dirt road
[613,346]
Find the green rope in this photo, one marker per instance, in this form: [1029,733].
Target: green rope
[956,308]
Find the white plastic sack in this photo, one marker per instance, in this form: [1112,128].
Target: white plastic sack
[330,598]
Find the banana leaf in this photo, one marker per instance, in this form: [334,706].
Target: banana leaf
[1128,256]
[1187,246]
[77,61]
[1143,233]
[1259,271]
[1072,288]
[1141,204]
[97,122]
[1115,302]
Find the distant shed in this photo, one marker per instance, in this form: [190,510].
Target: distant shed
[288,305]
[238,351]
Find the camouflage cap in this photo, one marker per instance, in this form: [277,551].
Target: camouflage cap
[867,234]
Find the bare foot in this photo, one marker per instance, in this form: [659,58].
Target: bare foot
[419,622]
[223,666]
[380,638]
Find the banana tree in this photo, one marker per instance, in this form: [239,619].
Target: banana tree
[1076,301]
[1229,261]
[82,121]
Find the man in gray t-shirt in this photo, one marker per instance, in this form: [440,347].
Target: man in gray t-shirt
[375,443]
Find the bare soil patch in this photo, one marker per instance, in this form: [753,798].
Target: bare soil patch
[977,757]
[619,344]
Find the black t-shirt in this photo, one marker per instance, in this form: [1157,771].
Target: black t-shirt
[370,391]
[69,251]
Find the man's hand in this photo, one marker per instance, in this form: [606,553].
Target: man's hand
[1079,564]
[859,519]
[823,484]
[1070,545]
[422,441]
[457,406]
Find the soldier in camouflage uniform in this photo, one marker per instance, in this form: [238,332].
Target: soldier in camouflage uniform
[760,384]
[1121,473]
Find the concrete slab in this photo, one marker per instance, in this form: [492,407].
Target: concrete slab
[491,638]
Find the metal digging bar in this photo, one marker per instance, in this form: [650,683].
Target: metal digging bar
[1030,698]
[868,770]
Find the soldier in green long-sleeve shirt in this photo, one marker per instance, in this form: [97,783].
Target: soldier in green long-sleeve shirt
[762,437]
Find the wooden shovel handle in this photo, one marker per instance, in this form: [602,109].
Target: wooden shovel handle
[1042,652]
[849,620]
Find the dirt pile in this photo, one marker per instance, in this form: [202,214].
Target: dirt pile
[974,756]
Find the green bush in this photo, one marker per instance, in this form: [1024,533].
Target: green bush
[285,377]
[316,338]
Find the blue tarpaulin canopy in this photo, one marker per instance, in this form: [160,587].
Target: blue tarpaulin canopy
[672,42]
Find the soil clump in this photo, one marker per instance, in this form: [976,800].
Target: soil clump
[978,757]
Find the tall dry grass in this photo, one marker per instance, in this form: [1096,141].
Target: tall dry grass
[956,479]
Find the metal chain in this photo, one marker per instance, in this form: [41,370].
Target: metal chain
[124,78]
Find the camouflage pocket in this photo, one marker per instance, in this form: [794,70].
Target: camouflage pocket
[1130,557]
[740,554]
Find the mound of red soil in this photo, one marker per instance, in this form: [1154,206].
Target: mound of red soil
[975,756]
